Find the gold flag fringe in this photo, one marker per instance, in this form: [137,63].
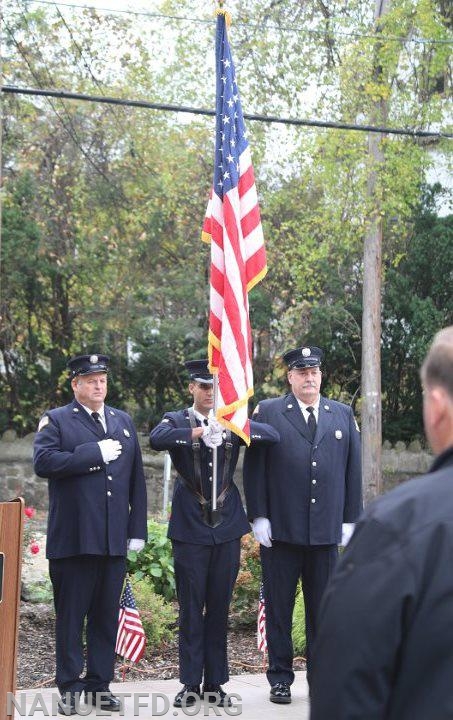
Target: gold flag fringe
[221,11]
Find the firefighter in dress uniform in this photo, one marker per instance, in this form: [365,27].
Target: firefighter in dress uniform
[97,511]
[299,494]
[206,545]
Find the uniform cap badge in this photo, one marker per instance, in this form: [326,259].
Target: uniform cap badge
[306,352]
[338,434]
[94,359]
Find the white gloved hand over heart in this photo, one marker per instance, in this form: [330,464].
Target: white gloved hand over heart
[110,449]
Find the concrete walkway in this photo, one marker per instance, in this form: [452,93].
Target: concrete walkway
[155,699]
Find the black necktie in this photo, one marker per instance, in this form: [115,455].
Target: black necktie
[311,422]
[97,419]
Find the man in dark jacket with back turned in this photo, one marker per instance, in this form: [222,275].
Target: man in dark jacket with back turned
[97,509]
[299,494]
[384,649]
[206,549]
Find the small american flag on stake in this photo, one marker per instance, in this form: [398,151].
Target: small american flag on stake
[131,638]
[261,629]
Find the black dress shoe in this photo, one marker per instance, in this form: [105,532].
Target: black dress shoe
[187,696]
[68,702]
[280,693]
[103,699]
[216,695]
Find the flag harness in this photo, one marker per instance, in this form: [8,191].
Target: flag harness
[210,516]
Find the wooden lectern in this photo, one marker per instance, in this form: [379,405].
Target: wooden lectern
[11,538]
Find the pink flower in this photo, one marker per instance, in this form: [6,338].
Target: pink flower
[34,548]
[30,512]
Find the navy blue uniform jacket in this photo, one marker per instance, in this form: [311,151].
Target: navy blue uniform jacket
[384,648]
[93,507]
[174,433]
[306,489]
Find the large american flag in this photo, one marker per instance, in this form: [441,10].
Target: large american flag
[238,259]
[131,638]
[261,624]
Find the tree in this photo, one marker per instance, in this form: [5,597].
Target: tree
[104,205]
[417,303]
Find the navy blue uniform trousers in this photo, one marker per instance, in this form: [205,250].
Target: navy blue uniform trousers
[205,577]
[86,586]
[283,565]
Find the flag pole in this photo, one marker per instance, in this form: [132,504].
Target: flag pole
[214,453]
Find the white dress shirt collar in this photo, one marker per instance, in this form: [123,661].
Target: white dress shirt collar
[315,407]
[101,413]
[199,416]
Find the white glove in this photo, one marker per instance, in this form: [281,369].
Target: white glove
[216,427]
[135,544]
[110,449]
[346,532]
[262,531]
[206,431]
[212,432]
[213,440]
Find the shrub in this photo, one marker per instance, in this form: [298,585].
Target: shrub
[298,634]
[157,615]
[155,562]
[244,603]
[39,591]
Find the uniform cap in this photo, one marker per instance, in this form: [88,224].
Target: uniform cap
[198,371]
[86,364]
[307,356]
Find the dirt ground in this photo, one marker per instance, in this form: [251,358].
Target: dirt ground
[36,658]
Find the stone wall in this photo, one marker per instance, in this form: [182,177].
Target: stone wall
[17,477]
[402,462]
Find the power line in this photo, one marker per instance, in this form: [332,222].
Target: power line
[87,65]
[66,124]
[66,95]
[279,28]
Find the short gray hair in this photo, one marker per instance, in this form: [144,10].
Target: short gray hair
[437,368]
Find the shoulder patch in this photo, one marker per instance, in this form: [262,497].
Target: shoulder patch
[43,422]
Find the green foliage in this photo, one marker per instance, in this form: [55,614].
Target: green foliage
[155,562]
[244,603]
[38,592]
[157,615]
[417,302]
[298,631]
[158,376]
[103,205]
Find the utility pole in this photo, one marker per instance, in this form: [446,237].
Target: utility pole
[371,307]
